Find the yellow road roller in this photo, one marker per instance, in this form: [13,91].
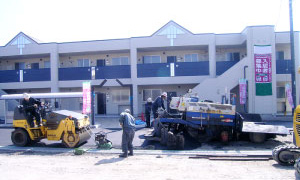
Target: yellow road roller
[288,154]
[70,127]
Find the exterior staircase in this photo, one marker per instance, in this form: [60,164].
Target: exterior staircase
[214,88]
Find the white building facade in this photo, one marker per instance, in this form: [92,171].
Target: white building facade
[125,72]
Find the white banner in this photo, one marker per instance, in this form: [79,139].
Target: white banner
[86,89]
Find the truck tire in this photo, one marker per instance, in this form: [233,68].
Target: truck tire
[157,128]
[20,137]
[283,156]
[164,136]
[171,142]
[257,137]
[180,142]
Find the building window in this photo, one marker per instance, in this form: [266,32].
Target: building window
[19,66]
[120,96]
[151,59]
[280,92]
[152,93]
[120,61]
[235,56]
[83,62]
[191,58]
[46,64]
[279,55]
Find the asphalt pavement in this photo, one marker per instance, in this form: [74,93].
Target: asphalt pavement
[111,127]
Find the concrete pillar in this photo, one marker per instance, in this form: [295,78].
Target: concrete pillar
[261,35]
[54,61]
[135,100]
[212,56]
[133,71]
[297,66]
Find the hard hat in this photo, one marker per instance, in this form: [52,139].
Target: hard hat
[25,95]
[164,94]
[127,110]
[149,100]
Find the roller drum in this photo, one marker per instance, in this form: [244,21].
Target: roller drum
[71,140]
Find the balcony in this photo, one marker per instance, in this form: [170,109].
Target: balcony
[223,66]
[9,76]
[283,67]
[36,75]
[192,68]
[77,73]
[101,72]
[113,72]
[153,70]
[180,69]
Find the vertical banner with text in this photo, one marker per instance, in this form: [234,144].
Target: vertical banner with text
[288,92]
[243,91]
[86,89]
[263,70]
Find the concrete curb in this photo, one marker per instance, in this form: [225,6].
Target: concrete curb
[136,152]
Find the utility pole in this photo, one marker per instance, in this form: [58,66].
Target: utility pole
[292,55]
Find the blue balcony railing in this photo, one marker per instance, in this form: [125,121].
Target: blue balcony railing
[153,70]
[9,76]
[283,66]
[180,69]
[77,73]
[36,75]
[223,66]
[192,68]
[113,72]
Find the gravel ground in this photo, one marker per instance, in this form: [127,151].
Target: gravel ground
[29,166]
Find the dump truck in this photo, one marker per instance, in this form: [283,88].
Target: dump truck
[205,121]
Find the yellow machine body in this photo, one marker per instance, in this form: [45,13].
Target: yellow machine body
[59,125]
[296,126]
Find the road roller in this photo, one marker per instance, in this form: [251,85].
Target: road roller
[287,155]
[70,127]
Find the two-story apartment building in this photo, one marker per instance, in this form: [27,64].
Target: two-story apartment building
[125,72]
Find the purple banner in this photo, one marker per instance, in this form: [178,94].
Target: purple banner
[263,68]
[288,92]
[243,91]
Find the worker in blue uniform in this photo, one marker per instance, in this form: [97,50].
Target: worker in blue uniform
[127,123]
[159,103]
[148,107]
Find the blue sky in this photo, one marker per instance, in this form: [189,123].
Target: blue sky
[72,20]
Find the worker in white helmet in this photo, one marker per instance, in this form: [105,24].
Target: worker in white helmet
[159,103]
[148,107]
[30,106]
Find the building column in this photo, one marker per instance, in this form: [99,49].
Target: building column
[135,99]
[212,56]
[264,35]
[297,66]
[133,72]
[54,63]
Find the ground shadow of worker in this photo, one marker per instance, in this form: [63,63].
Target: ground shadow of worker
[108,161]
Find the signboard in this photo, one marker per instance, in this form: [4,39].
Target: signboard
[243,91]
[263,70]
[288,92]
[86,89]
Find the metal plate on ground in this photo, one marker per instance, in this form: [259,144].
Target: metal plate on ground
[261,128]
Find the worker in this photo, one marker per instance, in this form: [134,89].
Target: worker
[30,106]
[148,107]
[159,103]
[127,123]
